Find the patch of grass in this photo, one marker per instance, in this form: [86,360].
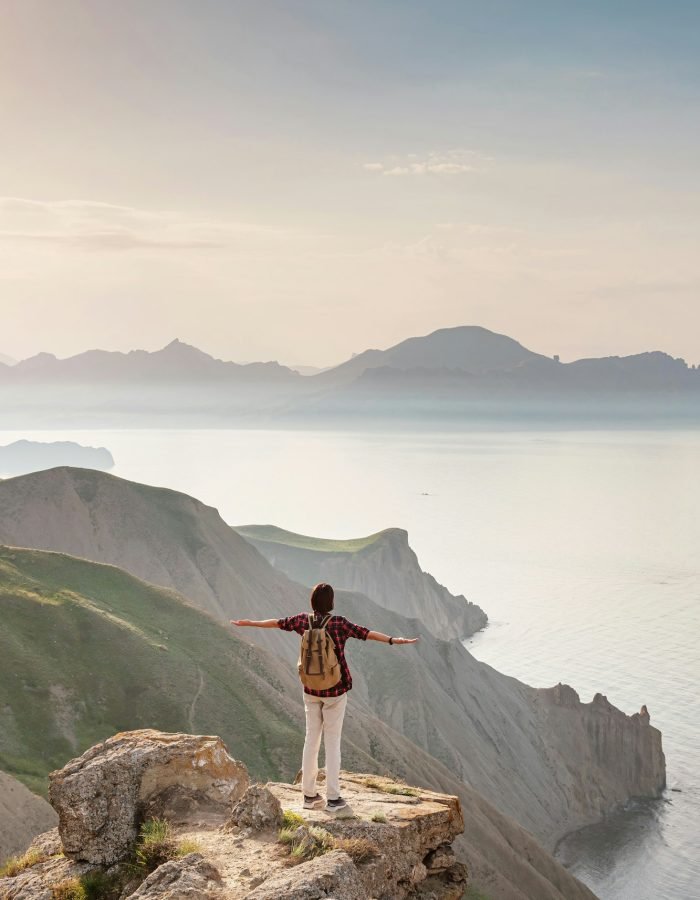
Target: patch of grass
[359,849]
[291,819]
[70,889]
[100,886]
[155,846]
[390,787]
[17,864]
[306,843]
[184,848]
[379,817]
[473,893]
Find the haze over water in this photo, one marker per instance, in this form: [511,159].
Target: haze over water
[581,547]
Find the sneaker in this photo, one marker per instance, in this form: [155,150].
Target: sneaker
[313,802]
[335,805]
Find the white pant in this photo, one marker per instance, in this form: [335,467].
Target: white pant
[324,715]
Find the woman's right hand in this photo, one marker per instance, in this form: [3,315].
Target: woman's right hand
[241,622]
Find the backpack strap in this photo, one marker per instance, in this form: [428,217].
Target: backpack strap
[319,644]
[308,646]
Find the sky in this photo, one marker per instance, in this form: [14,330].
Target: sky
[305,179]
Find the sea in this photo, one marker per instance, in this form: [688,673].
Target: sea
[582,546]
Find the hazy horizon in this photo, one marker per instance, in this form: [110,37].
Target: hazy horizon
[300,181]
[305,364]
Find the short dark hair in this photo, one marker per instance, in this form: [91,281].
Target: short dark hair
[322,598]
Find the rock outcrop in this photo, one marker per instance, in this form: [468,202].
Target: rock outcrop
[102,796]
[392,841]
[382,566]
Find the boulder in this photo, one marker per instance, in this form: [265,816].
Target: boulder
[103,796]
[189,878]
[258,809]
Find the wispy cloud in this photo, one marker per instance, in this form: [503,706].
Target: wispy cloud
[94,225]
[452,162]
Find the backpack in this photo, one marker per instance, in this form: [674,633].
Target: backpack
[318,664]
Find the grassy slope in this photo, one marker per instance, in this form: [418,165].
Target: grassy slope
[87,650]
[279,536]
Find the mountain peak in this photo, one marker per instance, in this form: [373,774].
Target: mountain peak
[180,348]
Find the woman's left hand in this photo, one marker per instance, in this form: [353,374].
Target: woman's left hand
[406,640]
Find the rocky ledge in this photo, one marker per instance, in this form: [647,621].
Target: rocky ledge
[148,815]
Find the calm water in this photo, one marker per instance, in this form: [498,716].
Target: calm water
[582,547]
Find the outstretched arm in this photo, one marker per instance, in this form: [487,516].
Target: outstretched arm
[256,623]
[387,639]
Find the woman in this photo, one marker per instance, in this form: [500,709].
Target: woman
[325,709]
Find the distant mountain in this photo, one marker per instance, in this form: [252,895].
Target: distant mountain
[24,456]
[7,360]
[453,376]
[468,348]
[382,566]
[22,816]
[308,370]
[177,362]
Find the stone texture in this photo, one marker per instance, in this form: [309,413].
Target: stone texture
[48,843]
[102,796]
[258,808]
[189,878]
[417,828]
[332,875]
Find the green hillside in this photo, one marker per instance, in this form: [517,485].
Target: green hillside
[275,535]
[87,650]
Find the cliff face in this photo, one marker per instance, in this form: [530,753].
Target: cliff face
[625,751]
[383,567]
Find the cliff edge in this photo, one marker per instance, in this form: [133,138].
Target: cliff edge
[149,815]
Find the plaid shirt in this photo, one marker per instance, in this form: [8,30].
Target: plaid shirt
[339,630]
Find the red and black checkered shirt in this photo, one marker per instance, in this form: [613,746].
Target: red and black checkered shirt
[340,630]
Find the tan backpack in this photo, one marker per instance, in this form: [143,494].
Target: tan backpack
[318,663]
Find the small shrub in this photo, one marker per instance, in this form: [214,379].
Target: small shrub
[291,819]
[17,864]
[70,889]
[99,886]
[184,848]
[306,843]
[286,835]
[92,886]
[379,817]
[359,849]
[155,846]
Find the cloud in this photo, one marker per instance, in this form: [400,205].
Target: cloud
[98,226]
[453,162]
